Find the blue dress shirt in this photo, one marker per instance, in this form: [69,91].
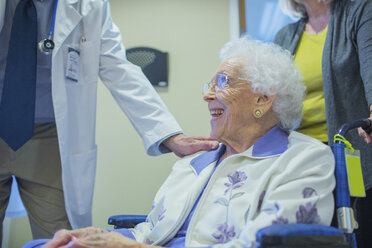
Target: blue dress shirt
[44,106]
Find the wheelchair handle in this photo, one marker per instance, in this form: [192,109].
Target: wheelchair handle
[365,124]
[368,128]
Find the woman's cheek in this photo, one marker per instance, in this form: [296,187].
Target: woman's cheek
[228,96]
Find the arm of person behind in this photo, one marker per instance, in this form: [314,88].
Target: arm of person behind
[363,30]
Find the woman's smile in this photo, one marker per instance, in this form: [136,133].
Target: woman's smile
[216,112]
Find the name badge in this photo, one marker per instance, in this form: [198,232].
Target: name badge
[354,173]
[73,65]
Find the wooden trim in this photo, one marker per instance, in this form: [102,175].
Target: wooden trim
[242,24]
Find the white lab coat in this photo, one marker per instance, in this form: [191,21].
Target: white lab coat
[86,25]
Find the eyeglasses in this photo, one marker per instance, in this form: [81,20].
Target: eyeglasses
[219,82]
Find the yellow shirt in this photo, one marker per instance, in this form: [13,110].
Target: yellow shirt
[308,59]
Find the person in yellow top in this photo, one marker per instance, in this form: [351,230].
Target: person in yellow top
[333,49]
[308,58]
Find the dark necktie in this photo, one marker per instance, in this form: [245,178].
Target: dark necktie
[17,109]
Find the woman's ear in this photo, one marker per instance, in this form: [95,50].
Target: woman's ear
[265,102]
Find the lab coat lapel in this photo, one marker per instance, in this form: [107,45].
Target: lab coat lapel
[67,18]
[2,13]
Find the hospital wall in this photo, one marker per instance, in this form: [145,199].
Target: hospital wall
[192,32]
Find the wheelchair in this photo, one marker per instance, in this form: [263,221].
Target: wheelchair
[341,235]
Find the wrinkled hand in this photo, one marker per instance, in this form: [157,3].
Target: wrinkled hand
[183,145]
[104,240]
[63,237]
[367,137]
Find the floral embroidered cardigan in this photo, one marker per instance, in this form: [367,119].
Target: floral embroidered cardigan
[280,179]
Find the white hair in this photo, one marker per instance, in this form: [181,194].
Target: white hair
[293,9]
[271,71]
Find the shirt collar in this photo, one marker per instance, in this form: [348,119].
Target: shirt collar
[274,142]
[203,160]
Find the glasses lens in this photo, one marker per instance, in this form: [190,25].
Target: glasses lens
[221,81]
[205,87]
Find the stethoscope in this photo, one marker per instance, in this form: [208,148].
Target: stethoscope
[46,45]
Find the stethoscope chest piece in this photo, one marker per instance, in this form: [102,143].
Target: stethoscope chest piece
[46,46]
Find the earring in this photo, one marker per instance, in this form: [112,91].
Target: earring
[258,113]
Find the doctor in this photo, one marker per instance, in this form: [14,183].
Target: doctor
[56,174]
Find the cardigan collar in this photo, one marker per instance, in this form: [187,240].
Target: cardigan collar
[273,143]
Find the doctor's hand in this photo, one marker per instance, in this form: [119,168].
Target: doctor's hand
[183,145]
[65,237]
[104,240]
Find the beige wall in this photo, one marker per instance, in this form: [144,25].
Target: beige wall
[192,32]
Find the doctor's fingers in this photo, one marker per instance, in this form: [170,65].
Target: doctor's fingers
[192,144]
[183,145]
[201,137]
[205,143]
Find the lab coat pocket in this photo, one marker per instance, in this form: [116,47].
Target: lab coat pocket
[78,183]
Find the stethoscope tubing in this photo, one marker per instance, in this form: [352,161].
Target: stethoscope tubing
[51,31]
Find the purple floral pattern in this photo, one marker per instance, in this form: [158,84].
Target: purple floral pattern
[224,233]
[280,220]
[308,214]
[308,192]
[148,241]
[236,180]
[271,208]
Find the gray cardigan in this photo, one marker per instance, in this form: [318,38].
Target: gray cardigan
[346,68]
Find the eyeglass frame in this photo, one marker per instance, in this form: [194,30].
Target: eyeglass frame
[218,86]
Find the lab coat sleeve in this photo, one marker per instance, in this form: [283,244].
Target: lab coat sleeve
[300,194]
[132,90]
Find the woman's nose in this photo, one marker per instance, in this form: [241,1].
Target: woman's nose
[209,95]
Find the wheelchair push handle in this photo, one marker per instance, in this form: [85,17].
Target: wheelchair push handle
[368,127]
[365,124]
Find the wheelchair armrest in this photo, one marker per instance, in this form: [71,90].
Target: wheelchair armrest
[300,235]
[126,221]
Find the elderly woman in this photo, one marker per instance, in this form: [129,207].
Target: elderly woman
[333,49]
[261,174]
